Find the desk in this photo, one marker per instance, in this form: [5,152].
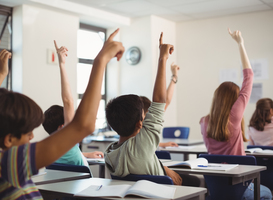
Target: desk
[53,176]
[69,188]
[236,175]
[186,151]
[261,155]
[100,162]
[183,142]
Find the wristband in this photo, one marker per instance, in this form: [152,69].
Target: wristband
[172,78]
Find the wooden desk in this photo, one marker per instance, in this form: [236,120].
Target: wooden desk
[236,175]
[54,176]
[183,142]
[69,188]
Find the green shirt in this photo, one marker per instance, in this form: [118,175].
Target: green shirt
[72,157]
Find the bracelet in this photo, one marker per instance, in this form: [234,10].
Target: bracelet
[174,76]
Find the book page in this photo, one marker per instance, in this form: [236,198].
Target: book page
[216,167]
[150,189]
[104,191]
[187,164]
[266,151]
[181,147]
[252,150]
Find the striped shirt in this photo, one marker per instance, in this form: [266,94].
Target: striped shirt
[17,165]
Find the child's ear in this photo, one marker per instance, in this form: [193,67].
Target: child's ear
[139,125]
[8,141]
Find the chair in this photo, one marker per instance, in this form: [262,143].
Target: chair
[168,132]
[267,175]
[163,155]
[70,168]
[219,187]
[156,179]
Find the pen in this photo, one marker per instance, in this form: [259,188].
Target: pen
[202,166]
[99,187]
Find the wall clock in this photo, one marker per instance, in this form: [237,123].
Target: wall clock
[133,55]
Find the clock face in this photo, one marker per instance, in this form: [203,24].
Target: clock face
[133,55]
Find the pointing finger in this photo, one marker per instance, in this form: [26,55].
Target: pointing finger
[161,39]
[229,31]
[111,37]
[55,43]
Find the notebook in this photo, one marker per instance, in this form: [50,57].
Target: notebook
[142,188]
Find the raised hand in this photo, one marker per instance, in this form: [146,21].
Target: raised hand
[165,49]
[236,35]
[111,48]
[62,53]
[174,69]
[4,57]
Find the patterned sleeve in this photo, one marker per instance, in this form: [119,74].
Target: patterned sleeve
[18,164]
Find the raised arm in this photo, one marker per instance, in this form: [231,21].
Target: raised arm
[84,120]
[170,89]
[236,35]
[65,87]
[159,94]
[238,108]
[4,69]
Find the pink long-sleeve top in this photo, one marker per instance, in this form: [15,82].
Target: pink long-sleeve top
[261,138]
[234,146]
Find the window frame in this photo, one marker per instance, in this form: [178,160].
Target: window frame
[7,11]
[88,27]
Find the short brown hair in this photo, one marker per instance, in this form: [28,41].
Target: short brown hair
[18,114]
[146,103]
[262,114]
[224,98]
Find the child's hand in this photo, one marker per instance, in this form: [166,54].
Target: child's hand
[236,35]
[95,154]
[165,49]
[4,57]
[174,69]
[62,53]
[111,48]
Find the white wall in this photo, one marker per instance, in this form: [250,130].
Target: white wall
[37,28]
[205,47]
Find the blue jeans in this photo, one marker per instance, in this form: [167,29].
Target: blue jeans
[265,193]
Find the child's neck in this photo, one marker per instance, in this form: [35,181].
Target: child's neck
[124,138]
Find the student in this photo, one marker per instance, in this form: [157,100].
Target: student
[19,115]
[223,128]
[261,124]
[134,153]
[56,117]
[147,102]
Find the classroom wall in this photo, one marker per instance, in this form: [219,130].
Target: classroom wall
[204,48]
[35,29]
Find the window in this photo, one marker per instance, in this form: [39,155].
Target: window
[5,37]
[90,42]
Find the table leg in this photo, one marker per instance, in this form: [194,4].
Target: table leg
[102,171]
[257,187]
[186,156]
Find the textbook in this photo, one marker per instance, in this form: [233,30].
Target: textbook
[259,150]
[142,188]
[201,164]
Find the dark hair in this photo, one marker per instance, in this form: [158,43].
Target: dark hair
[146,103]
[54,117]
[262,114]
[18,115]
[123,112]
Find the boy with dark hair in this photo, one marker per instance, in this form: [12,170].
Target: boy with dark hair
[56,117]
[134,153]
[19,115]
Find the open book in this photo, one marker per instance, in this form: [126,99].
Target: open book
[259,150]
[142,188]
[199,163]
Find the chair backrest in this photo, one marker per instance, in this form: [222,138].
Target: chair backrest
[70,168]
[156,179]
[267,175]
[219,187]
[163,155]
[168,132]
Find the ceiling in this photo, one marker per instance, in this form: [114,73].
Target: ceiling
[175,10]
[178,10]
